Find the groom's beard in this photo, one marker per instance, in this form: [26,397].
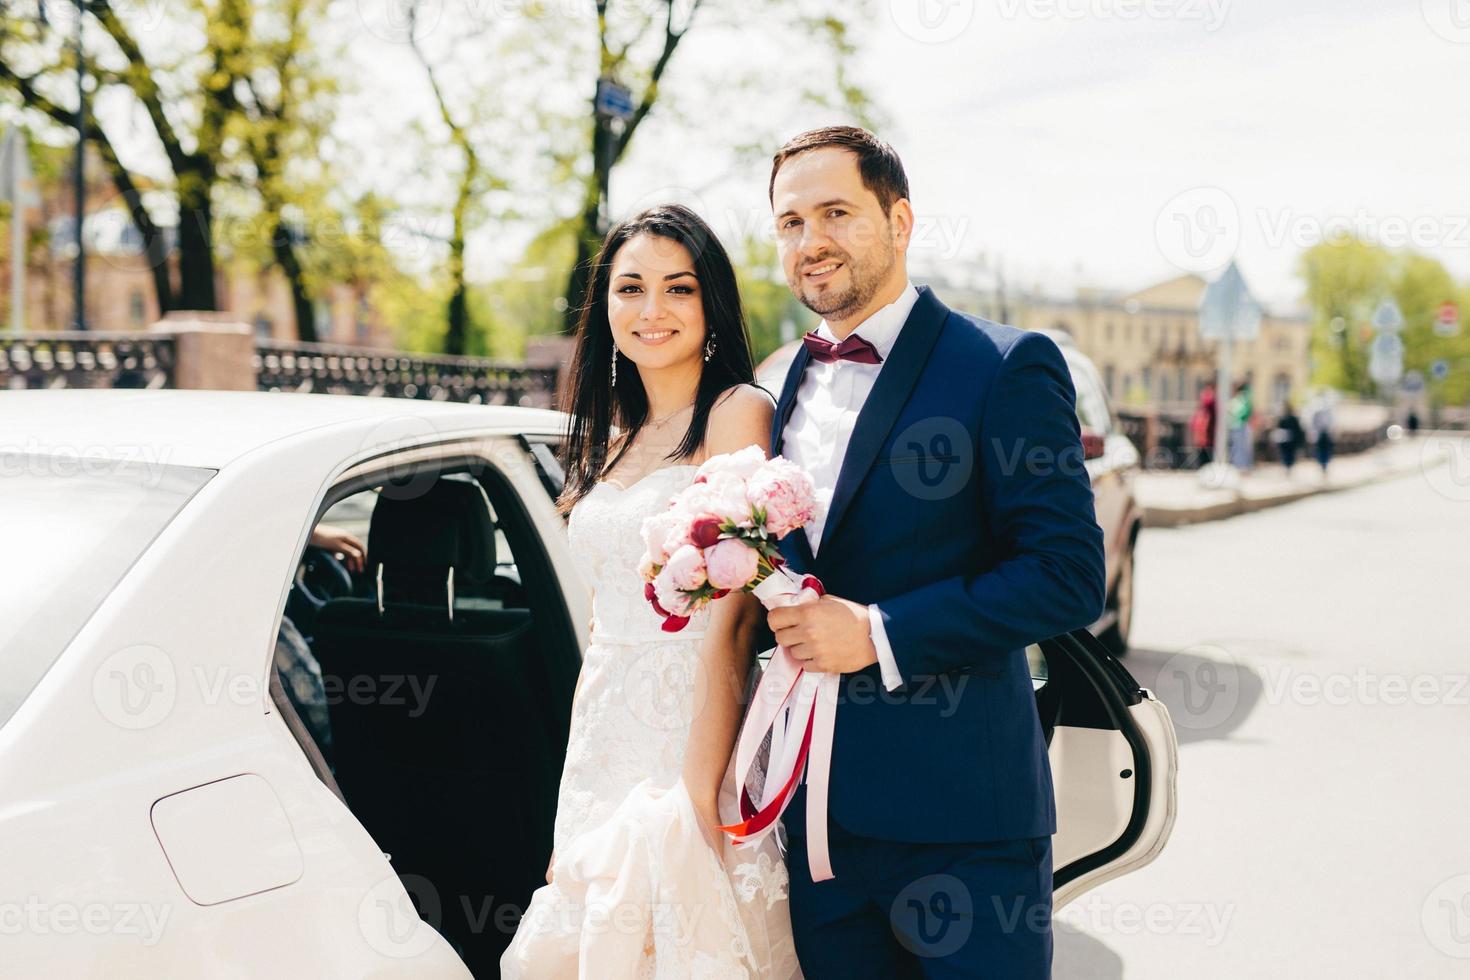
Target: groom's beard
[864,280]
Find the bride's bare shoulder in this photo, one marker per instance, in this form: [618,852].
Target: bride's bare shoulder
[741,416]
[746,397]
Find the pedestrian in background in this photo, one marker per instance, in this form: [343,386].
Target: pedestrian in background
[1202,425]
[1241,448]
[1319,424]
[1288,436]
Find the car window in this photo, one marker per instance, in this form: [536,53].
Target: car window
[72,528]
[354,514]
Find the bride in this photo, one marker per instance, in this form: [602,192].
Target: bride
[641,883]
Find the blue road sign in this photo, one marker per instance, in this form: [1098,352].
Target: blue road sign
[613,100]
[1227,308]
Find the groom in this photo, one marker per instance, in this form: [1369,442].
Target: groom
[954,527]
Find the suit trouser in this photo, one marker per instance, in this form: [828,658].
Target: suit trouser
[900,910]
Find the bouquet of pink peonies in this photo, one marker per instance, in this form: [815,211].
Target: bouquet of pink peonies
[719,534]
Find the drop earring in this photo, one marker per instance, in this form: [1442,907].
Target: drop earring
[709,349]
[615,366]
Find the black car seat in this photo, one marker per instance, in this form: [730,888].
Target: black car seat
[437,710]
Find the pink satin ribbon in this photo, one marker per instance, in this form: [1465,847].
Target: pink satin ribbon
[812,696]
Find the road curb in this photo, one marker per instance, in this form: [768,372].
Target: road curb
[1161,516]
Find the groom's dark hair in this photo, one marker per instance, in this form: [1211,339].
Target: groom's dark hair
[878,164]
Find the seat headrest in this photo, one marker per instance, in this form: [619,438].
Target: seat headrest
[418,538]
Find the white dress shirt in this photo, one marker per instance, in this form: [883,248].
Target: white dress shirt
[816,435]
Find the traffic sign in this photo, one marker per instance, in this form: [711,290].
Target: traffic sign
[1387,318]
[1447,320]
[1413,381]
[1386,358]
[614,101]
[1440,369]
[1227,308]
[1387,345]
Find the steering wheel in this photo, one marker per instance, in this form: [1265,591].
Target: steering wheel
[321,576]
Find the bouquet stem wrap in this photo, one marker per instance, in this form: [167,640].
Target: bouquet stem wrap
[805,744]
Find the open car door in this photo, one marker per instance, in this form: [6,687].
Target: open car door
[1114,760]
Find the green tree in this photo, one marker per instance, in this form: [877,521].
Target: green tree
[636,43]
[1346,280]
[528,299]
[472,183]
[230,112]
[1421,285]
[288,111]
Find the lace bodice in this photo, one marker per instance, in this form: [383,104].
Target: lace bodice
[635,699]
[607,546]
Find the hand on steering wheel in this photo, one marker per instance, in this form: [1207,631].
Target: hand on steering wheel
[342,544]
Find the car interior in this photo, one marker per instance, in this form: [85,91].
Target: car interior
[432,691]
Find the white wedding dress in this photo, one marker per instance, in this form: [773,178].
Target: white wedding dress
[637,890]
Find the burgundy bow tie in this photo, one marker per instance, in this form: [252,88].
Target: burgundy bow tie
[854,348]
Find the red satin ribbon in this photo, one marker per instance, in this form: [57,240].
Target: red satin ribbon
[795,685]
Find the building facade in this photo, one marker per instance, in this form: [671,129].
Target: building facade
[119,282]
[1146,344]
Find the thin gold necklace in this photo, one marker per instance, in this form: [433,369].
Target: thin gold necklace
[657,422]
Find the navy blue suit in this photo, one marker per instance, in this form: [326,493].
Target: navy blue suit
[963,511]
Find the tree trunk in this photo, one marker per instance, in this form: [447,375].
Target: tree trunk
[285,253]
[154,246]
[196,245]
[456,336]
[590,230]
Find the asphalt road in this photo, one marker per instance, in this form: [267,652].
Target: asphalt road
[1316,661]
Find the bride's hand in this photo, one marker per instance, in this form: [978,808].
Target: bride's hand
[709,825]
[549,865]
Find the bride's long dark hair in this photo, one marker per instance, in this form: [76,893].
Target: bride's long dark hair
[590,398]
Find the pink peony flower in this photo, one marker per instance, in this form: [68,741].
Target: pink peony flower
[731,564]
[742,464]
[668,599]
[722,496]
[729,496]
[663,533]
[686,568]
[786,493]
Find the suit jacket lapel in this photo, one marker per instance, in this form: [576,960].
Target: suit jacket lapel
[796,546]
[896,380]
[787,402]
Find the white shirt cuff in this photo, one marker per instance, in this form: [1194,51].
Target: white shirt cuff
[892,679]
